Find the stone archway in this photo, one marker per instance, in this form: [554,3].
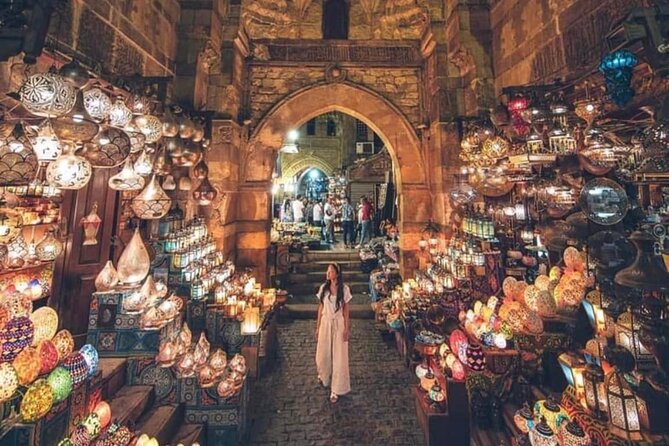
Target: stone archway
[307,162]
[401,139]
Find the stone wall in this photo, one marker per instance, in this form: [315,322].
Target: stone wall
[122,37]
[269,84]
[537,41]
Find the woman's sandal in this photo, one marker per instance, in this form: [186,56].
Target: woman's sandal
[334,398]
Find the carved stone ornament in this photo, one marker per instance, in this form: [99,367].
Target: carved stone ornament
[261,52]
[208,56]
[334,73]
[462,59]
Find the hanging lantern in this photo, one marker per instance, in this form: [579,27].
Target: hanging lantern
[140,104]
[152,203]
[127,178]
[627,333]
[74,74]
[47,95]
[97,104]
[45,321]
[143,166]
[108,149]
[134,263]
[170,124]
[495,148]
[169,183]
[573,368]
[201,170]
[64,343]
[60,382]
[27,365]
[45,143]
[572,434]
[205,193]
[561,141]
[617,69]
[593,306]
[137,140]
[623,408]
[535,142]
[48,356]
[91,224]
[16,335]
[76,125]
[49,248]
[150,126]
[9,382]
[251,323]
[10,225]
[119,114]
[37,401]
[542,435]
[647,273]
[90,354]
[107,278]
[77,367]
[69,171]
[185,184]
[593,387]
[18,162]
[186,127]
[588,110]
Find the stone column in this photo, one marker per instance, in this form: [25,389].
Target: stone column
[415,203]
[253,228]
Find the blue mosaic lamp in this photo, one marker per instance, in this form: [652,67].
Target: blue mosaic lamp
[617,69]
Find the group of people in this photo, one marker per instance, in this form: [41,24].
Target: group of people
[323,214]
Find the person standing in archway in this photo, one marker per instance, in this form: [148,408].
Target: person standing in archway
[347,217]
[366,222]
[332,334]
[328,218]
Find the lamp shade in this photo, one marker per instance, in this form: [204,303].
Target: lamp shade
[572,434]
[476,357]
[91,224]
[9,381]
[11,222]
[134,263]
[127,178]
[119,114]
[45,143]
[91,356]
[49,248]
[152,203]
[205,193]
[45,321]
[523,419]
[48,356]
[64,343]
[47,95]
[16,335]
[76,125]
[18,162]
[109,148]
[60,382]
[624,417]
[92,424]
[150,126]
[27,365]
[143,165]
[76,365]
[69,171]
[37,401]
[97,104]
[107,278]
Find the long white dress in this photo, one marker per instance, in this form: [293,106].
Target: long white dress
[331,350]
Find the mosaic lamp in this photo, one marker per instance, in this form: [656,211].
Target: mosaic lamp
[18,162]
[91,356]
[80,436]
[572,434]
[103,411]
[27,366]
[623,408]
[37,401]
[61,384]
[475,357]
[617,69]
[427,381]
[49,248]
[45,321]
[47,95]
[542,435]
[92,424]
[48,356]
[127,178]
[523,419]
[134,263]
[9,381]
[64,343]
[16,335]
[69,171]
[551,412]
[77,367]
[152,203]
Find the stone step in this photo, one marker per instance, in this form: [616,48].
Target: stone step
[310,298]
[161,422]
[189,434]
[319,277]
[130,403]
[305,288]
[112,376]
[322,266]
[327,255]
[309,311]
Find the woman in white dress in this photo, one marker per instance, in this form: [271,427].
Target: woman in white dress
[332,334]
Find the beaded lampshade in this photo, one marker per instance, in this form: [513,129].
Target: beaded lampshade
[48,356]
[9,381]
[542,435]
[45,321]
[76,365]
[152,203]
[37,401]
[91,356]
[18,162]
[47,95]
[92,424]
[60,382]
[15,336]
[64,343]
[27,366]
[108,149]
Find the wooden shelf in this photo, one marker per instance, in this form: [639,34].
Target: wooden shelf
[25,268]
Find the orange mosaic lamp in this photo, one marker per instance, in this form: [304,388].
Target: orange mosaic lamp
[27,366]
[45,321]
[48,356]
[64,344]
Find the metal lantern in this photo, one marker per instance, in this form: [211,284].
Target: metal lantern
[91,224]
[107,278]
[47,95]
[143,166]
[150,126]
[37,401]
[45,143]
[108,149]
[97,104]
[69,171]
[623,408]
[76,125]
[137,140]
[49,248]
[119,114]
[45,321]
[10,224]
[205,193]
[18,162]
[561,141]
[127,178]
[134,263]
[627,334]
[647,273]
[9,382]
[593,387]
[573,368]
[152,203]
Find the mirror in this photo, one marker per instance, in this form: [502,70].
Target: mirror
[604,201]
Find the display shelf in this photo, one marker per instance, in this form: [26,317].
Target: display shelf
[25,268]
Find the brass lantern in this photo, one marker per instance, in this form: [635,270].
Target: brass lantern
[205,193]
[593,385]
[623,408]
[77,124]
[18,162]
[91,224]
[627,332]
[152,203]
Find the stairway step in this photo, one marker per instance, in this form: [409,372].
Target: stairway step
[319,277]
[309,311]
[321,266]
[162,423]
[112,377]
[189,434]
[312,288]
[130,403]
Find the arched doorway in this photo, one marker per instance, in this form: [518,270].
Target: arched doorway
[404,146]
[311,183]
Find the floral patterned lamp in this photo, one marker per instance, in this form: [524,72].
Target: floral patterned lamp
[69,171]
[49,248]
[47,95]
[9,381]
[60,382]
[45,321]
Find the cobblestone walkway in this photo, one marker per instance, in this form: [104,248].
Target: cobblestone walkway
[289,408]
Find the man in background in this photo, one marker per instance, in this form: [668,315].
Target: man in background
[347,222]
[328,218]
[298,209]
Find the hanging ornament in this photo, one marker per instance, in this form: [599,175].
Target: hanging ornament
[185,183]
[200,170]
[97,104]
[9,382]
[143,166]
[119,114]
[91,224]
[169,183]
[152,203]
[26,365]
[617,69]
[18,162]
[190,154]
[150,126]
[107,278]
[170,124]
[186,127]
[137,140]
[91,357]
[45,143]
[108,149]
[134,263]
[64,343]
[205,193]
[73,73]
[45,321]
[49,248]
[127,178]
[76,125]
[47,95]
[37,401]
[69,171]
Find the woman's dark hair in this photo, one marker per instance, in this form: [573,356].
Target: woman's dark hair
[340,288]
